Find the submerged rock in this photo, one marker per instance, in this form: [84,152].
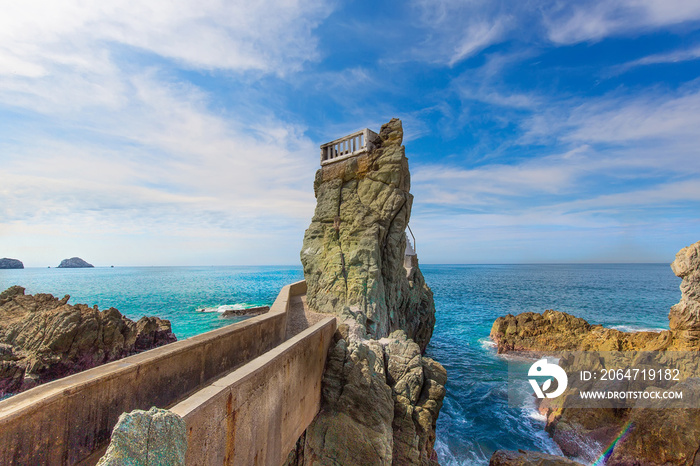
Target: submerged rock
[156,437]
[7,263]
[380,396]
[43,338]
[251,311]
[74,263]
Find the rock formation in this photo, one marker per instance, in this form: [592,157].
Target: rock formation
[659,436]
[6,263]
[554,331]
[74,263]
[155,438]
[528,458]
[353,251]
[684,318]
[251,311]
[380,397]
[43,338]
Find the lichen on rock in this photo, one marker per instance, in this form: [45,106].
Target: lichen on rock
[156,437]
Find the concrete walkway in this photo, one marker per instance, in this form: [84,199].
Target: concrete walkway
[299,317]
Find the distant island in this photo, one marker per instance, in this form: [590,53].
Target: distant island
[74,263]
[6,263]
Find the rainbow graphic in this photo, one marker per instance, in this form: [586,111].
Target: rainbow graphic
[608,452]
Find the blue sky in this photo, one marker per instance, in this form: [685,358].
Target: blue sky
[187,133]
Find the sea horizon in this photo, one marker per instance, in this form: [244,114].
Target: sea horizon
[299,265]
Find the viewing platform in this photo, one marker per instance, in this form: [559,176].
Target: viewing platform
[348,146]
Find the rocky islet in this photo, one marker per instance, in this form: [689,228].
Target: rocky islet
[7,263]
[74,263]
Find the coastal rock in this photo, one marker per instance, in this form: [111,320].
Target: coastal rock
[353,251]
[43,338]
[665,435]
[658,436]
[528,458]
[6,263]
[251,311]
[381,400]
[380,396]
[156,437]
[684,318]
[353,427]
[555,331]
[74,263]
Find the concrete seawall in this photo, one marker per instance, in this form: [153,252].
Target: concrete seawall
[256,414]
[68,420]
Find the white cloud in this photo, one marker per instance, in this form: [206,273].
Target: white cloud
[268,35]
[477,37]
[676,56]
[569,23]
[629,159]
[671,119]
[457,30]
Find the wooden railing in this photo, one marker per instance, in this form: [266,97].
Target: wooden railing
[348,146]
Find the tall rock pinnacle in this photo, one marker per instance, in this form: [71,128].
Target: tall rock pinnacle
[353,251]
[380,397]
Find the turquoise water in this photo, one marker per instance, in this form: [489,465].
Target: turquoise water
[173,293]
[475,419]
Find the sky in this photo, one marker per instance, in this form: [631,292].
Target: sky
[186,132]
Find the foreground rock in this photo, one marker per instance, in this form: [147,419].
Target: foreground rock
[6,263]
[155,438]
[380,397]
[660,436]
[74,263]
[43,338]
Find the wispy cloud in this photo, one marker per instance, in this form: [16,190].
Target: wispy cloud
[458,30]
[569,23]
[268,35]
[676,56]
[619,162]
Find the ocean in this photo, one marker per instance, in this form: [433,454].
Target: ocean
[475,419]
